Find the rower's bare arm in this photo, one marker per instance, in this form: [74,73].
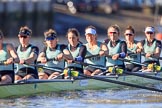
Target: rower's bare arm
[59,56]
[157,52]
[139,47]
[41,58]
[67,55]
[33,56]
[104,50]
[12,51]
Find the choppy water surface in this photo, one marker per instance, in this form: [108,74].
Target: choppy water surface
[88,98]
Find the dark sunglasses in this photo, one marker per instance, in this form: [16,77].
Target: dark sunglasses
[149,32]
[49,38]
[112,32]
[129,34]
[23,37]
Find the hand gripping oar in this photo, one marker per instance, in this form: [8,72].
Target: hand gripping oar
[126,60]
[52,59]
[121,83]
[4,62]
[160,58]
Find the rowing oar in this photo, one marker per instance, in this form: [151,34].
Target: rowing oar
[3,63]
[46,67]
[52,59]
[121,83]
[160,58]
[135,74]
[126,60]
[87,57]
[124,72]
[88,64]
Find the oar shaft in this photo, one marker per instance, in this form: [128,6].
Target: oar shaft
[92,65]
[46,67]
[122,83]
[143,75]
[87,57]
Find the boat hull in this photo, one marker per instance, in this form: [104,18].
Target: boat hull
[57,85]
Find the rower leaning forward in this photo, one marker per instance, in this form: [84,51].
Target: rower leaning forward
[93,48]
[27,54]
[7,57]
[51,56]
[151,48]
[115,49]
[75,53]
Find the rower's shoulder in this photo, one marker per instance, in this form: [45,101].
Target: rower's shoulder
[159,42]
[9,45]
[106,41]
[122,42]
[63,46]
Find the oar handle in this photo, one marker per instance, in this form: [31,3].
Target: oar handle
[87,57]
[52,59]
[4,62]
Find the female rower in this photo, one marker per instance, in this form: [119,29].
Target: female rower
[151,47]
[27,54]
[76,51]
[133,50]
[52,55]
[7,57]
[93,48]
[115,48]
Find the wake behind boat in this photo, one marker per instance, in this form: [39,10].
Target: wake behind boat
[37,86]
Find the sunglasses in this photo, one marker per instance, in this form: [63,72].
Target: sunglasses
[149,32]
[49,38]
[23,37]
[129,34]
[112,32]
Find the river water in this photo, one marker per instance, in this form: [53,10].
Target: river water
[124,98]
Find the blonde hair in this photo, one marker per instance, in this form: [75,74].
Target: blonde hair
[26,28]
[74,31]
[116,27]
[130,28]
[50,31]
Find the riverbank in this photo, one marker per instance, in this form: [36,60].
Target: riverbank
[64,20]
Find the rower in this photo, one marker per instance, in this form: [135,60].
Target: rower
[51,56]
[93,48]
[151,47]
[115,48]
[27,54]
[76,51]
[7,57]
[133,50]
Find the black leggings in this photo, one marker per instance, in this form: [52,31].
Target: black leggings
[27,71]
[132,67]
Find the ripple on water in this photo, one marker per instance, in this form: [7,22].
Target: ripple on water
[86,98]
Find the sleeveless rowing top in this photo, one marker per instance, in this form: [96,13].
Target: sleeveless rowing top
[150,49]
[74,55]
[24,55]
[4,55]
[52,54]
[113,50]
[136,57]
[95,60]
